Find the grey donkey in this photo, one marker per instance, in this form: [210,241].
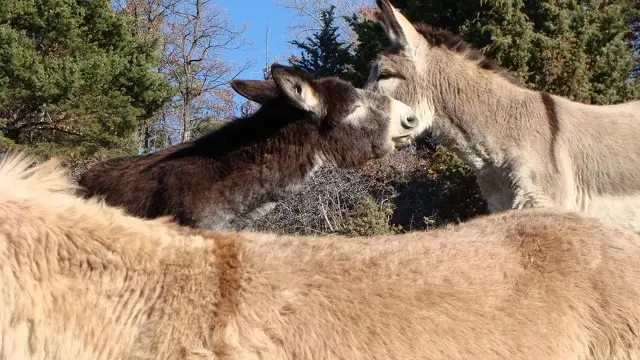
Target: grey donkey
[527,148]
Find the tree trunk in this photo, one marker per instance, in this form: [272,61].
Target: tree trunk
[186,119]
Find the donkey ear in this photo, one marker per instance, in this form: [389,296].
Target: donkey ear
[398,28]
[260,91]
[296,87]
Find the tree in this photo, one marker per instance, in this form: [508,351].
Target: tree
[323,53]
[195,34]
[634,41]
[309,15]
[198,31]
[74,79]
[150,19]
[149,16]
[371,40]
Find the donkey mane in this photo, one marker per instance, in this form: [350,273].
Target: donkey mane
[21,173]
[454,42]
[243,134]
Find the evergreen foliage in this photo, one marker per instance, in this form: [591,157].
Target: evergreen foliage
[74,79]
[323,53]
[370,218]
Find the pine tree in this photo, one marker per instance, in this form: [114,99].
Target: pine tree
[323,53]
[74,79]
[634,40]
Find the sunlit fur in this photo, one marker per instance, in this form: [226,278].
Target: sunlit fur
[82,280]
[527,148]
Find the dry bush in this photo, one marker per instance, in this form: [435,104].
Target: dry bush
[413,189]
[322,204]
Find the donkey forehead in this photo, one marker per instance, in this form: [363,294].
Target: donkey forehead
[338,94]
[396,58]
[336,86]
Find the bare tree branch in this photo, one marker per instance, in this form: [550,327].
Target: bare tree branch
[196,36]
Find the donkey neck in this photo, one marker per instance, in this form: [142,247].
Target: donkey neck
[252,161]
[475,108]
[263,139]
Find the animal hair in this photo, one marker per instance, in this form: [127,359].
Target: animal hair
[20,172]
[82,280]
[440,37]
[228,177]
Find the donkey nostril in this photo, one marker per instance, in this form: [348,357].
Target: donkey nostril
[410,122]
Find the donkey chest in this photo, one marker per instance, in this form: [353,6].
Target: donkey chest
[234,211]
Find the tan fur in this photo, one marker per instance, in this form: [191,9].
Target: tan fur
[81,280]
[527,149]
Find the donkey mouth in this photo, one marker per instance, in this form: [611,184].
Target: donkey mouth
[404,139]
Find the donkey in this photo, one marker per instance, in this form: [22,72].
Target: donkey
[82,280]
[235,174]
[527,148]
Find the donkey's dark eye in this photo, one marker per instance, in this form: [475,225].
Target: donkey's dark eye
[386,75]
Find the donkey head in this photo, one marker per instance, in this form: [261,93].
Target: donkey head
[426,68]
[402,71]
[350,126]
[456,92]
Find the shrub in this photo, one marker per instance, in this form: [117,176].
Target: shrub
[370,218]
[320,206]
[457,195]
[413,189]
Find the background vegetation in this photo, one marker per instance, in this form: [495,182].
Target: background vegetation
[91,79]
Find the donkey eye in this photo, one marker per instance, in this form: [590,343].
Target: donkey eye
[386,75]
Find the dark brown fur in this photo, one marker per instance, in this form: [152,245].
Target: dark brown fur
[554,123]
[229,173]
[228,250]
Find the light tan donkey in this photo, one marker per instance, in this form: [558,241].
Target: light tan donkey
[82,280]
[527,148]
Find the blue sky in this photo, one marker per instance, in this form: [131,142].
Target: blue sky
[260,15]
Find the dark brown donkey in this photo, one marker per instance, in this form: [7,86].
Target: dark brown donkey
[234,174]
